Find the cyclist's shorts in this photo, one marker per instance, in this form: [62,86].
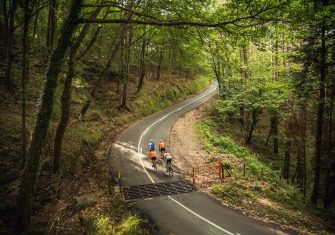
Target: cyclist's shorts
[153,158]
[168,161]
[162,149]
[152,148]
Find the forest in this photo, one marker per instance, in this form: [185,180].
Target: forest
[74,74]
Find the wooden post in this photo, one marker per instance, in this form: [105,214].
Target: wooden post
[193,175]
[120,184]
[243,168]
[220,170]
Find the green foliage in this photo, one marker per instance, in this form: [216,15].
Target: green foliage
[224,144]
[104,225]
[129,226]
[260,182]
[157,99]
[76,137]
[93,115]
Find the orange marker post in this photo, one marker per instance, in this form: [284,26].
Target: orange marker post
[220,170]
[193,175]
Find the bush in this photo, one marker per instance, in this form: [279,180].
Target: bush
[130,225]
[93,115]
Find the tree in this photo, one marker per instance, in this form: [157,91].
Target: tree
[66,95]
[30,173]
[24,76]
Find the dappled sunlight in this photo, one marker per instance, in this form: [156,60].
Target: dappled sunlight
[130,152]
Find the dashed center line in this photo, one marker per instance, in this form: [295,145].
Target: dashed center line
[139,151]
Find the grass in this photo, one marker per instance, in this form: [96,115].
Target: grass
[262,190]
[84,144]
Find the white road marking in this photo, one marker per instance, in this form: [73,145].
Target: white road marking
[139,151]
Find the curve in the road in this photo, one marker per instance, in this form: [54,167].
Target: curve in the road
[153,181]
[190,213]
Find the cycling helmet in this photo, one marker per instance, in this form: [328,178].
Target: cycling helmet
[151,141]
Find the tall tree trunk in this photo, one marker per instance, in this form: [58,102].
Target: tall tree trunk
[330,165]
[275,134]
[66,95]
[90,44]
[52,21]
[244,78]
[128,39]
[92,41]
[287,161]
[159,65]
[35,28]
[30,174]
[9,20]
[275,118]
[216,72]
[103,73]
[142,64]
[24,77]
[252,126]
[107,66]
[319,124]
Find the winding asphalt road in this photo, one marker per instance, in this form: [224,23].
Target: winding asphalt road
[188,213]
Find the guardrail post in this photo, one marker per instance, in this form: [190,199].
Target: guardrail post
[193,175]
[220,170]
[243,168]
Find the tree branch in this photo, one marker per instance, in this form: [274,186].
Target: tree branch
[157,22]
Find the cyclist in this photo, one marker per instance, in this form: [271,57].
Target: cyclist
[151,145]
[161,147]
[153,156]
[168,157]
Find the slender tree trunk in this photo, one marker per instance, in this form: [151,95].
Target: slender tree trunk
[30,174]
[275,134]
[270,132]
[275,118]
[252,127]
[66,95]
[90,44]
[52,21]
[128,39]
[300,165]
[142,65]
[104,71]
[330,168]
[10,19]
[287,161]
[244,78]
[216,72]
[107,66]
[319,124]
[24,78]
[159,65]
[35,27]
[92,41]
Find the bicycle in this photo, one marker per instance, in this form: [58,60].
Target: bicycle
[154,165]
[169,169]
[162,154]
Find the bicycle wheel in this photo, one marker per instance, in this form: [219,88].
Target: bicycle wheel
[170,170]
[154,166]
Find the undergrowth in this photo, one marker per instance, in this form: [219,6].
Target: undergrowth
[261,190]
[83,167]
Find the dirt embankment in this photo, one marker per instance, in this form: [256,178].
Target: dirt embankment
[185,146]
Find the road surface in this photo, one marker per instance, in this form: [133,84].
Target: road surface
[189,213]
